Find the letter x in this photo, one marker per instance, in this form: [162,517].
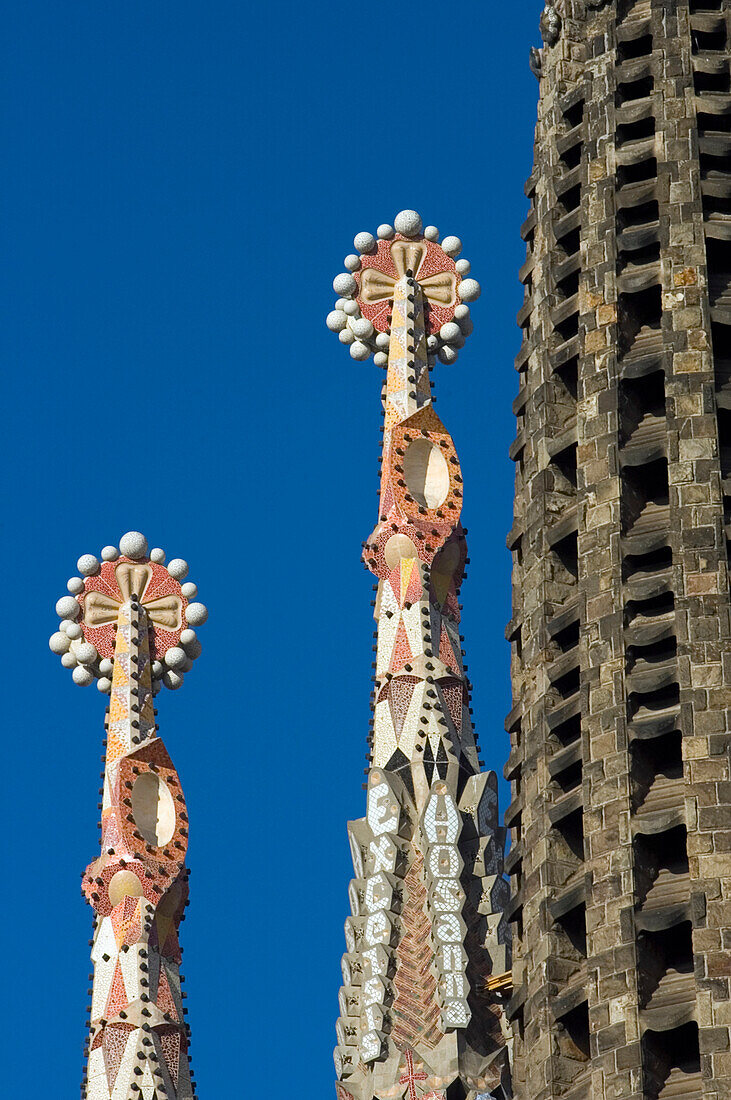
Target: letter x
[411,1076]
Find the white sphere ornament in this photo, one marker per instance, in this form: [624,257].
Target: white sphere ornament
[196,614]
[461,312]
[88,565]
[432,343]
[448,354]
[69,660]
[106,667]
[133,545]
[175,657]
[463,267]
[362,328]
[75,585]
[104,685]
[193,649]
[359,351]
[380,359]
[178,568]
[59,643]
[383,341]
[74,631]
[82,676]
[364,242]
[187,636]
[346,336]
[452,246]
[352,262]
[469,290]
[345,285]
[450,332]
[407,223]
[158,669]
[385,232]
[110,553]
[86,653]
[431,233]
[172,680]
[352,309]
[158,556]
[67,608]
[336,320]
[190,591]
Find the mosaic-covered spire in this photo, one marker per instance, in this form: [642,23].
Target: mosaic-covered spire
[426,938]
[127,625]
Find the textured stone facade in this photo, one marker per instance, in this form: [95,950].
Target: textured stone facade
[619,763]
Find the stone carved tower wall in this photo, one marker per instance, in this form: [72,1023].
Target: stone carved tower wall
[620,742]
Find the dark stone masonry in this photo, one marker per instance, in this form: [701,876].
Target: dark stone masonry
[620,735]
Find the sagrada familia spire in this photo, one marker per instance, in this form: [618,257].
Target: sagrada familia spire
[427,942]
[128,626]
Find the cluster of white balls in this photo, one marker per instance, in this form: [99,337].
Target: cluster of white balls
[83,658]
[357,332]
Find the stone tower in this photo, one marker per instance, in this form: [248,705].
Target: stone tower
[620,736]
[126,625]
[427,952]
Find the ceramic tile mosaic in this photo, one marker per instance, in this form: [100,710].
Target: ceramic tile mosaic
[416,1016]
[132,632]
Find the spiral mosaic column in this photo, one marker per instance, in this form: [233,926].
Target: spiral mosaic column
[427,941]
[128,626]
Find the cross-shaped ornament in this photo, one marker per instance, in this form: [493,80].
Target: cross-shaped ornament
[411,1076]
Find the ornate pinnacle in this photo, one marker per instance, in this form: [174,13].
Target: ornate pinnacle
[426,928]
[377,277]
[85,640]
[127,624]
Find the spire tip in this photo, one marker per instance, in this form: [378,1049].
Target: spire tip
[361,318]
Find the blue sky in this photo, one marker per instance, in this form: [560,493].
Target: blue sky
[181,183]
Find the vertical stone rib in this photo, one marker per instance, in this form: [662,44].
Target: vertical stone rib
[546,860]
[605,537]
[696,281]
